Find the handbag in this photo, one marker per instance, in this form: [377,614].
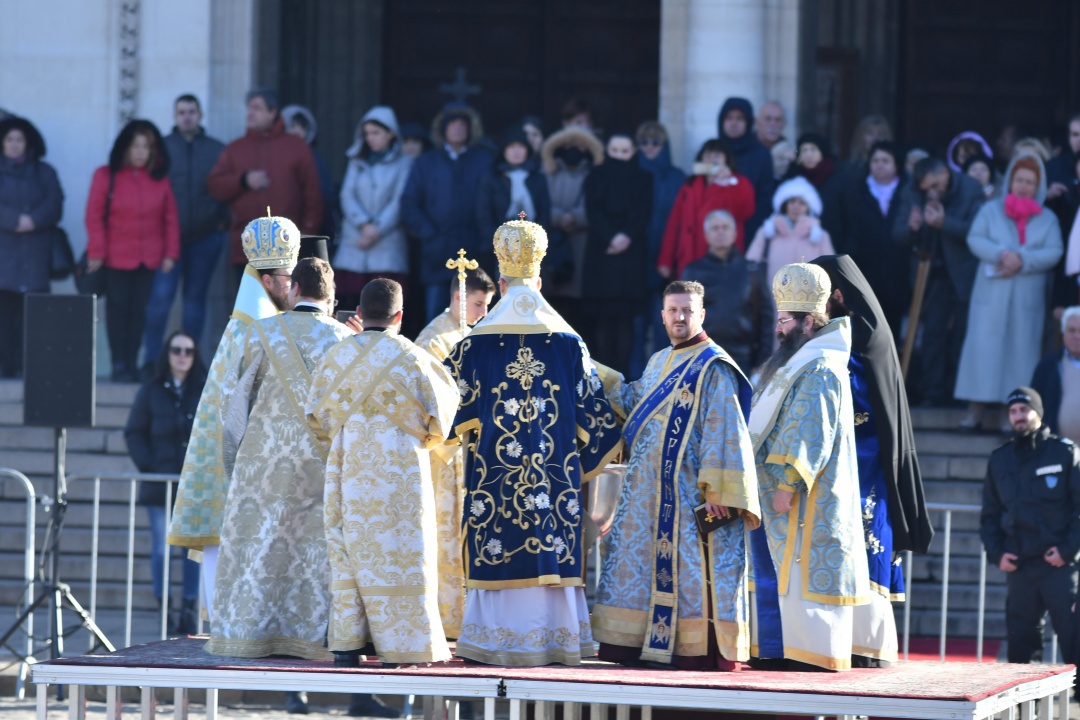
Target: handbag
[89,283]
[61,256]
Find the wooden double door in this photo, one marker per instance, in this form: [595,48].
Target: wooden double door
[506,58]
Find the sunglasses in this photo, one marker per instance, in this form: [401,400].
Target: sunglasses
[185,351]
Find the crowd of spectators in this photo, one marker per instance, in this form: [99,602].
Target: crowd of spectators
[990,232]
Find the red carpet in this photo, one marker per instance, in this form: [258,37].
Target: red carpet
[917,680]
[956,649]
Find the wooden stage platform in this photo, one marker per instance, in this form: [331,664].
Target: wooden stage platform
[945,691]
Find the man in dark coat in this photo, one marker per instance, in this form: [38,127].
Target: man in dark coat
[1030,527]
[735,126]
[935,214]
[203,224]
[438,205]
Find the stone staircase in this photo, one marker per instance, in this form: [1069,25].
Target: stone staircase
[97,450]
[953,468]
[953,465]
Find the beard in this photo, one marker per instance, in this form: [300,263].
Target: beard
[836,309]
[789,345]
[280,300]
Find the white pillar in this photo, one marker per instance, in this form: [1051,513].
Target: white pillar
[232,47]
[714,49]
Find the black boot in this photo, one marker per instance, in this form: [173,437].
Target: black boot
[366,705]
[188,619]
[296,703]
[347,658]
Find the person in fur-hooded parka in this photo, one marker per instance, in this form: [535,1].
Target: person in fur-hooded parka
[567,158]
[438,205]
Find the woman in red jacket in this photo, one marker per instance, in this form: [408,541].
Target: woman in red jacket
[132,230]
[715,185]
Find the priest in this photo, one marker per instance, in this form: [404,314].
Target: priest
[271,245]
[535,425]
[811,570]
[382,404]
[447,466]
[668,595]
[272,593]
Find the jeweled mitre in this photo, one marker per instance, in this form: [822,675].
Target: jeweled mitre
[271,242]
[520,245]
[801,287]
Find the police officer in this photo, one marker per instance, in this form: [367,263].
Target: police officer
[1030,527]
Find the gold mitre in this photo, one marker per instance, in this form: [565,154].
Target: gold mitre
[520,245]
[801,287]
[271,242]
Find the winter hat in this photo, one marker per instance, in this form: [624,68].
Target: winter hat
[413,130]
[515,134]
[816,139]
[798,187]
[1027,396]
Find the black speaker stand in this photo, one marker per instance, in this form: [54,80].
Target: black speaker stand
[51,590]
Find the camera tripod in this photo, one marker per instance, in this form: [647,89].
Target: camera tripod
[50,590]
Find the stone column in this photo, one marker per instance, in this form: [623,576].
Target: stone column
[232,60]
[713,49]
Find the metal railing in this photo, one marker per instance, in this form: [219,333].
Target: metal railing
[946,556]
[132,479]
[29,550]
[947,509]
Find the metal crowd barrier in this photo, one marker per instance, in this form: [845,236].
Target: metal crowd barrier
[132,479]
[946,555]
[30,538]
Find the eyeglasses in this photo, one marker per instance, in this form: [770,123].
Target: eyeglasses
[781,323]
[185,351]
[285,274]
[657,142]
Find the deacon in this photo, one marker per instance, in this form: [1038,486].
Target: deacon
[271,245]
[439,339]
[813,570]
[272,594]
[536,425]
[689,445]
[382,404]
[893,506]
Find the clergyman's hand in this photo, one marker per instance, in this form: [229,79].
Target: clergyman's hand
[781,501]
[355,324]
[718,511]
[1008,562]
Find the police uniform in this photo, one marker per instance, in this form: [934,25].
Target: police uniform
[1031,503]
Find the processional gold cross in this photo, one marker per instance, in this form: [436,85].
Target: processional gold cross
[461,265]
